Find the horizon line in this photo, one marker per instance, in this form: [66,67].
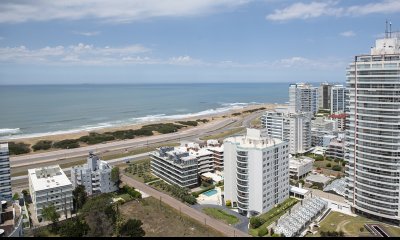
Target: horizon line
[166,83]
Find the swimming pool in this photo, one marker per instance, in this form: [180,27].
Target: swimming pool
[211,192]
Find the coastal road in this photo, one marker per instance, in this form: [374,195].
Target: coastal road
[207,128]
[191,212]
[21,182]
[191,134]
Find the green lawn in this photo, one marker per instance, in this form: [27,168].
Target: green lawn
[223,134]
[140,170]
[274,214]
[221,215]
[350,225]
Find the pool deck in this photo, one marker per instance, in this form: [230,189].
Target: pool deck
[214,199]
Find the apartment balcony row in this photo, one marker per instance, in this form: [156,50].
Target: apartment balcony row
[379,198]
[376,190]
[178,177]
[187,184]
[172,170]
[375,204]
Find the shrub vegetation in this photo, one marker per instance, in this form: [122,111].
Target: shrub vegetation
[18,148]
[188,123]
[67,143]
[42,145]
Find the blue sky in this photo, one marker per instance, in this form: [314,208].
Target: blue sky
[165,41]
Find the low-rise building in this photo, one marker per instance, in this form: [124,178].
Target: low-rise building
[318,178]
[175,166]
[340,120]
[205,158]
[218,154]
[49,185]
[95,175]
[321,138]
[335,149]
[208,158]
[299,167]
[323,124]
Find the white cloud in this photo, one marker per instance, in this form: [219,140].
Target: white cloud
[80,53]
[305,11]
[297,62]
[329,8]
[348,34]
[113,11]
[87,34]
[185,60]
[86,54]
[387,6]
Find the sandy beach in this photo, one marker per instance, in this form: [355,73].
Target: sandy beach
[210,117]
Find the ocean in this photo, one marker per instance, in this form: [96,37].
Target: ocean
[38,110]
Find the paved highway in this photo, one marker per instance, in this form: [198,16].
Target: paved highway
[31,159]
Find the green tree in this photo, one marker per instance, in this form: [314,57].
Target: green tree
[336,168]
[15,197]
[42,145]
[115,175]
[99,214]
[256,222]
[328,165]
[49,213]
[79,197]
[18,148]
[262,231]
[133,228]
[76,228]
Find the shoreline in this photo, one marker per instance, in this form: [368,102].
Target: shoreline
[79,133]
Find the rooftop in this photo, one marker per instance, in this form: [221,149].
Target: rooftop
[318,178]
[48,177]
[293,161]
[297,190]
[254,138]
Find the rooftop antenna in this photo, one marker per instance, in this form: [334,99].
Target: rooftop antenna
[390,29]
[386,29]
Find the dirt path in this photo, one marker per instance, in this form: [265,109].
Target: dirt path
[193,213]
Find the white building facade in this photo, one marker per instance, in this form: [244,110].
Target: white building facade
[5,173]
[95,175]
[294,128]
[217,150]
[303,97]
[373,136]
[338,96]
[256,173]
[175,166]
[300,167]
[49,185]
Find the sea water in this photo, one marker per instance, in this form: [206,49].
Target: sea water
[36,110]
